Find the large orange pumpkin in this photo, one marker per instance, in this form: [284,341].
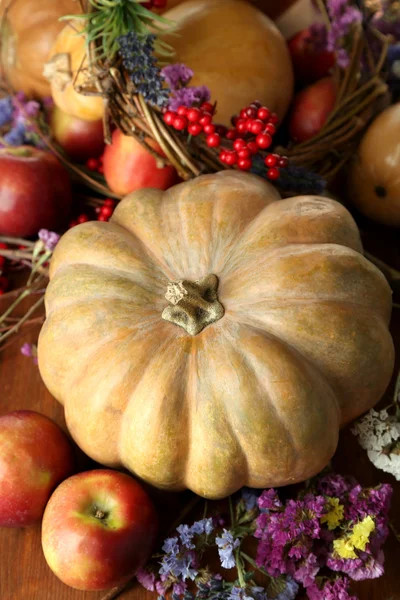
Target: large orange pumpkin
[374,182]
[212,337]
[67,69]
[235,50]
[29,30]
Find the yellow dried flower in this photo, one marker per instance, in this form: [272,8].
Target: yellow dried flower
[334,516]
[344,548]
[361,532]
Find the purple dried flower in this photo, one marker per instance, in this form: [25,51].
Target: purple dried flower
[30,350]
[343,17]
[335,486]
[6,110]
[186,535]
[331,590]
[49,238]
[269,500]
[16,136]
[179,588]
[146,579]
[189,96]
[226,545]
[290,592]
[177,75]
[171,546]
[307,570]
[249,498]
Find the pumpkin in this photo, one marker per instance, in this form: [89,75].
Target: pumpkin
[236,51]
[66,69]
[374,183]
[211,336]
[29,30]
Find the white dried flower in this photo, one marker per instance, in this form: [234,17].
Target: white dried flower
[379,434]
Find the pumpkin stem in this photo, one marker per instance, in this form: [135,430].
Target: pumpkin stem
[194,304]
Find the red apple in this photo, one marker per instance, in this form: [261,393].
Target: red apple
[35,456]
[128,166]
[310,63]
[311,108]
[80,139]
[35,191]
[98,529]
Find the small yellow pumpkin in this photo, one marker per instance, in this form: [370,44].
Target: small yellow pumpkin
[66,69]
[235,50]
[29,29]
[213,336]
[374,181]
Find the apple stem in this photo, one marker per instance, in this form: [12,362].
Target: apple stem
[99,514]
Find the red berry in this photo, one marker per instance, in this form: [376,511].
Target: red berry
[213,140]
[243,114]
[234,120]
[263,140]
[283,162]
[263,113]
[2,261]
[231,157]
[102,217]
[92,164]
[239,143]
[109,202]
[210,128]
[149,5]
[244,164]
[182,110]
[206,119]
[82,219]
[97,210]
[256,104]
[193,115]
[195,128]
[100,169]
[270,128]
[251,112]
[273,173]
[4,246]
[73,224]
[257,126]
[208,107]
[231,134]
[107,211]
[273,118]
[160,3]
[271,160]
[249,123]
[169,117]
[244,153]
[221,130]
[222,156]
[241,126]
[252,147]
[180,122]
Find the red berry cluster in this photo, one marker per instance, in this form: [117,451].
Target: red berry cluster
[3,279]
[155,4]
[95,164]
[251,134]
[103,213]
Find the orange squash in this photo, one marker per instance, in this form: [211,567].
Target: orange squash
[236,51]
[374,182]
[29,30]
[211,337]
[66,69]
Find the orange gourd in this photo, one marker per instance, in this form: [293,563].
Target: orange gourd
[29,29]
[235,50]
[213,336]
[374,182]
[66,69]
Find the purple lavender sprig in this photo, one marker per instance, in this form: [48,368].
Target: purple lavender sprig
[137,52]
